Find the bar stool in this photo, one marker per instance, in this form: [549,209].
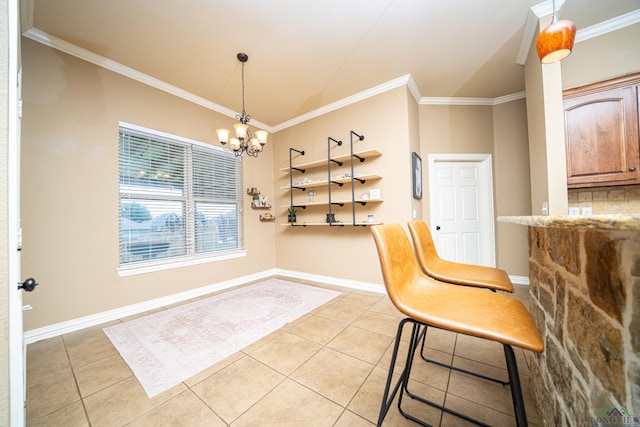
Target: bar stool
[478,276]
[427,302]
[456,273]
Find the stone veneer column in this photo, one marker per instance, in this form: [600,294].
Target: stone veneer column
[585,288]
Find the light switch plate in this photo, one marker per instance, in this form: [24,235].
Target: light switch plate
[574,211]
[586,210]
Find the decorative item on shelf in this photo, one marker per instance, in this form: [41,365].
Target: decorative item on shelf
[374,194]
[243,142]
[255,202]
[292,215]
[252,191]
[331,218]
[311,194]
[556,41]
[267,217]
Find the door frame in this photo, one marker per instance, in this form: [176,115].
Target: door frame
[486,201]
[17,363]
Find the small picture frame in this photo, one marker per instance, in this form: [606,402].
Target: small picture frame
[416,173]
[374,194]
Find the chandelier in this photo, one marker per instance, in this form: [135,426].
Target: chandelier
[244,141]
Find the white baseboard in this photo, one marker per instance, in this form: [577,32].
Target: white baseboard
[519,280]
[61,328]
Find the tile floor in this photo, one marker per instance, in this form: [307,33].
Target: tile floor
[327,368]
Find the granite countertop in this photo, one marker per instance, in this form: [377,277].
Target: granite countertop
[598,222]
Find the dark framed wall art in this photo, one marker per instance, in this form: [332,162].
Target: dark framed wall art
[416,173]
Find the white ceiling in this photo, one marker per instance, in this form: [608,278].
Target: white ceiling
[304,55]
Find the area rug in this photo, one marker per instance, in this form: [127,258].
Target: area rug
[166,348]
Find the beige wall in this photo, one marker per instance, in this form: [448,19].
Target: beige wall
[502,132]
[70,191]
[512,184]
[4,255]
[346,252]
[601,58]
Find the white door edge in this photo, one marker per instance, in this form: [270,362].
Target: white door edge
[486,179]
[15,331]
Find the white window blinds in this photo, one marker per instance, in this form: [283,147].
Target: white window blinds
[179,199]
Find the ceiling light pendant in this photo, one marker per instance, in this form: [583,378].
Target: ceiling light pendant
[243,142]
[556,41]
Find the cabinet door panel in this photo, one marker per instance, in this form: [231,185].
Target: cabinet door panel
[602,138]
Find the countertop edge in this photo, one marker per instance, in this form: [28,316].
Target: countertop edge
[597,222]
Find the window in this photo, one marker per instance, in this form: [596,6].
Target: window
[179,199]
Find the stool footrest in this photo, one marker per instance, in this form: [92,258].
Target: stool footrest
[455,368]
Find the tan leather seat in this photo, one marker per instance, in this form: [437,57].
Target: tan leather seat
[427,302]
[454,272]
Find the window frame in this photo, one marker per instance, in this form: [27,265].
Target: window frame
[192,257]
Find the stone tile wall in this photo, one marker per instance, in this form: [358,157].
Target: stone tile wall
[624,199]
[585,289]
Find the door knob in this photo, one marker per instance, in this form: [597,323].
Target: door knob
[437,227]
[632,169]
[28,285]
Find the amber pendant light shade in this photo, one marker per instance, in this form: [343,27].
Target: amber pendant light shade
[556,41]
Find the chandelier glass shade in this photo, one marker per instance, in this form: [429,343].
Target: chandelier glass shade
[556,41]
[244,141]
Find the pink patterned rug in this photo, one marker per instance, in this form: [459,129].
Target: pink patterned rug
[164,349]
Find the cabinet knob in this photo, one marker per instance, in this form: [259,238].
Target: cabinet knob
[632,169]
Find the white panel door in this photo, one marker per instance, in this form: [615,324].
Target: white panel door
[462,209]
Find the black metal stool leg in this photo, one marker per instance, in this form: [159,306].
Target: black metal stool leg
[516,390]
[386,400]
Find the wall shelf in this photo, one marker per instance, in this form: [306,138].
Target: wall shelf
[361,155]
[340,175]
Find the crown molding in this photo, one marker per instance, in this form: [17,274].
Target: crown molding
[543,9]
[609,26]
[406,80]
[108,64]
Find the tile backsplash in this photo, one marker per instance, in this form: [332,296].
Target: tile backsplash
[607,200]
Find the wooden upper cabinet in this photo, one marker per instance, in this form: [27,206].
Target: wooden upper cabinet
[601,132]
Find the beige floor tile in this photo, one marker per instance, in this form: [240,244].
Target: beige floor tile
[349,419]
[415,408]
[291,404]
[45,356]
[340,312]
[234,389]
[318,329]
[361,300]
[89,345]
[480,350]
[104,373]
[124,402]
[336,357]
[184,410]
[334,375]
[487,393]
[207,372]
[481,368]
[378,322]
[480,412]
[385,306]
[72,415]
[361,344]
[441,340]
[286,353]
[50,391]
